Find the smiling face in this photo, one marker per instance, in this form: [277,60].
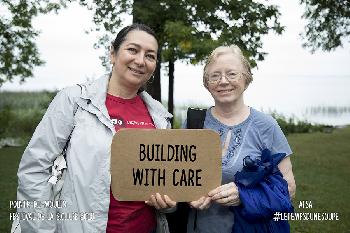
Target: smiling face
[135,60]
[226,90]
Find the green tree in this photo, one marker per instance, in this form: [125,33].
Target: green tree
[18,50]
[328,24]
[189,29]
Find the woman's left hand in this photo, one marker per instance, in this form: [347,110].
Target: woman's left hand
[201,204]
[226,195]
[160,202]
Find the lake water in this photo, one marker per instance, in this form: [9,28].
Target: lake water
[317,99]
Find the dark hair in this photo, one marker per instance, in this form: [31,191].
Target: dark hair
[124,32]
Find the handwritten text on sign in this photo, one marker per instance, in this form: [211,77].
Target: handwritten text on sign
[184,164]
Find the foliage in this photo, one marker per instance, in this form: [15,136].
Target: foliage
[328,24]
[288,125]
[18,51]
[291,125]
[26,100]
[20,112]
[189,30]
[5,118]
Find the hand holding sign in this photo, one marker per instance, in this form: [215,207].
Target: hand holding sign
[184,164]
[160,202]
[202,203]
[226,195]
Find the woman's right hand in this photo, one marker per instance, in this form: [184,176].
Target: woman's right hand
[201,204]
[227,195]
[160,202]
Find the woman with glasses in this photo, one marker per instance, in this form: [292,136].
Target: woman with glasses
[244,131]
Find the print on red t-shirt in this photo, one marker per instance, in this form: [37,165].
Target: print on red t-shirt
[129,216]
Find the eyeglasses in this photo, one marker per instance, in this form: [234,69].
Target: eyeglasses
[230,76]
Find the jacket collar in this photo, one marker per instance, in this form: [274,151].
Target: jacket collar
[154,106]
[96,91]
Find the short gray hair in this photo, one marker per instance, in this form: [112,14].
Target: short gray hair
[235,50]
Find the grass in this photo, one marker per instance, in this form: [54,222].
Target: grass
[9,158]
[321,167]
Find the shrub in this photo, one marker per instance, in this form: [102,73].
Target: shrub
[6,115]
[293,125]
[20,112]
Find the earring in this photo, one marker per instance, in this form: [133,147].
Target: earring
[110,73]
[151,79]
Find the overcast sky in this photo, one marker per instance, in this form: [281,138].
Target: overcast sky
[70,57]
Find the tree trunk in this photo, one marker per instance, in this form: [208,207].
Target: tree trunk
[135,16]
[153,85]
[171,90]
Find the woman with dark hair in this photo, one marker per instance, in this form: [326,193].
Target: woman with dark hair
[83,120]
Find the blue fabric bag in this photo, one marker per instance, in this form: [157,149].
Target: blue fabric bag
[263,192]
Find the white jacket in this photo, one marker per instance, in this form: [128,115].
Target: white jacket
[87,183]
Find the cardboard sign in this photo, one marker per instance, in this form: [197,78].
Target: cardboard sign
[183,164]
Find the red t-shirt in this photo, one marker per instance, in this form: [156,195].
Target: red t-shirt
[129,216]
